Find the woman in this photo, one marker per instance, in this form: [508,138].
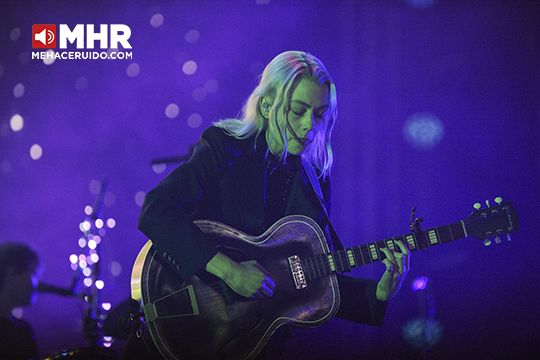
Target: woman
[249,172]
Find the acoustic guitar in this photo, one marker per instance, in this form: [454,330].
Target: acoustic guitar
[202,318]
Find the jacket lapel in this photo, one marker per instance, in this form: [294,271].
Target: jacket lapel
[246,163]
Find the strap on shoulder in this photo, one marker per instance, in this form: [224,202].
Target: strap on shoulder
[314,181]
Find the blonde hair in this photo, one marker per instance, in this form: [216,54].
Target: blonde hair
[278,81]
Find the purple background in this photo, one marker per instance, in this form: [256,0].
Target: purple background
[473,64]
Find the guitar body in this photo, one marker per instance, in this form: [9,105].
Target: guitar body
[202,318]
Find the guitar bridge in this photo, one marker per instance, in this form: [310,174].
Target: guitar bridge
[297,272]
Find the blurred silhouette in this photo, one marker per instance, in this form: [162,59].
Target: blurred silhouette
[18,282]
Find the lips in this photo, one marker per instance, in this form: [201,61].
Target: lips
[305,141]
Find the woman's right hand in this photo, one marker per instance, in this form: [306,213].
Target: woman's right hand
[249,278]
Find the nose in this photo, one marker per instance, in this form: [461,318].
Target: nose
[307,121]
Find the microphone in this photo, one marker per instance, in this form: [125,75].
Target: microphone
[46,288]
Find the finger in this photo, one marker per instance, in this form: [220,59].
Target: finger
[389,265]
[404,249]
[389,255]
[406,254]
[268,279]
[266,291]
[399,263]
[271,283]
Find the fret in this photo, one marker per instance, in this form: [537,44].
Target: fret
[373,252]
[437,230]
[389,244]
[339,261]
[432,236]
[459,231]
[464,229]
[306,268]
[317,260]
[358,250]
[344,258]
[365,254]
[326,264]
[316,268]
[450,231]
[351,258]
[445,234]
[331,263]
[411,243]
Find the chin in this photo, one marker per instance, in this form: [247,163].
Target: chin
[296,149]
[296,152]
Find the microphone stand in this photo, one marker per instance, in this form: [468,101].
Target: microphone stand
[92,319]
[174,159]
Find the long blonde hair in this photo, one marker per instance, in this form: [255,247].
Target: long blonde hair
[278,81]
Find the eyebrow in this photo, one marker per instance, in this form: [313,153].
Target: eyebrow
[308,106]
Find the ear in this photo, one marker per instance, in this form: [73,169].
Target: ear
[264,106]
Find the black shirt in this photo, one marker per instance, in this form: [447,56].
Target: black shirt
[17,339]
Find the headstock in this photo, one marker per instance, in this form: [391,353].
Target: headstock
[492,222]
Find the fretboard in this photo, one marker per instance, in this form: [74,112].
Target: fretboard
[346,259]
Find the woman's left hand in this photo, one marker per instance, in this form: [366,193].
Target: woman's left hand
[397,267]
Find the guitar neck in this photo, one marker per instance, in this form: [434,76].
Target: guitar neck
[346,259]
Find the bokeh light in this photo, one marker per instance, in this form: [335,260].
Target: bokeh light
[94,187]
[211,86]
[133,69]
[192,36]
[172,110]
[159,168]
[139,198]
[100,284]
[189,67]
[194,120]
[81,83]
[115,268]
[199,94]
[157,20]
[15,34]
[111,223]
[36,152]
[16,122]
[50,57]
[18,90]
[419,283]
[423,130]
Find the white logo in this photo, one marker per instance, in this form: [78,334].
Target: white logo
[46,37]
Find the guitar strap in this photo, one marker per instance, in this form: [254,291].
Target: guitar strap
[314,181]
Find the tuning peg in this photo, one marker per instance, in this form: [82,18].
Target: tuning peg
[508,237]
[487,203]
[487,242]
[477,206]
[498,200]
[497,239]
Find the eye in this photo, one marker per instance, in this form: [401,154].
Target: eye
[298,113]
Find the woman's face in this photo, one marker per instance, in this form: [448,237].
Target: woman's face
[309,102]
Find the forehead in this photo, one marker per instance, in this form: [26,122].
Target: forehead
[311,93]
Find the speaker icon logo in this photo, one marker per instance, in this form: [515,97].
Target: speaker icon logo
[44,36]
